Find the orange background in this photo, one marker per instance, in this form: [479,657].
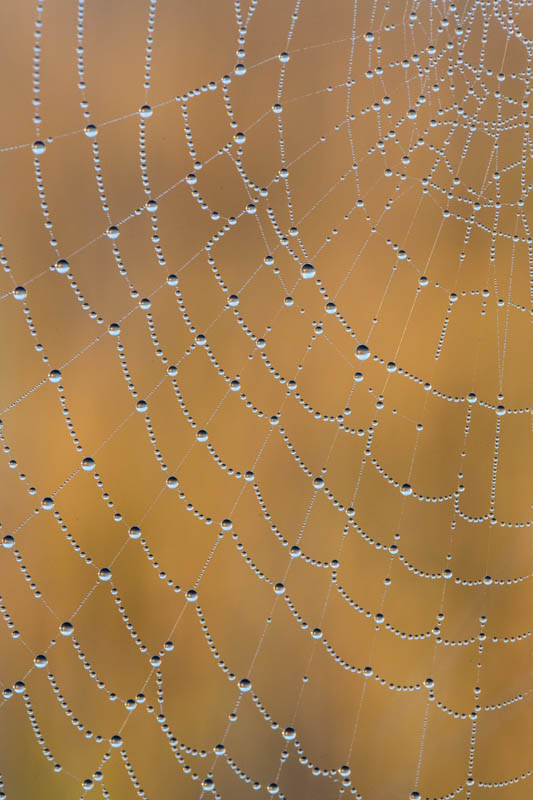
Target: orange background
[393,741]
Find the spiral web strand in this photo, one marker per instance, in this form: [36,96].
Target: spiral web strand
[266,418]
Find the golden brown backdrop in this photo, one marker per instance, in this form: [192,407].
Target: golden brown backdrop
[266,399]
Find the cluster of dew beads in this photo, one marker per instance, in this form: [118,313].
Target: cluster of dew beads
[266,408]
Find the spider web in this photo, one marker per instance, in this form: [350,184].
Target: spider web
[266,417]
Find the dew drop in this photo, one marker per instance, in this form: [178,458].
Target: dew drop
[307,271]
[20,293]
[66,628]
[344,771]
[62,266]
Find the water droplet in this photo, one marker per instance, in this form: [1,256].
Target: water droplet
[307,271]
[66,628]
[344,771]
[38,147]
[87,464]
[20,293]
[362,352]
[62,266]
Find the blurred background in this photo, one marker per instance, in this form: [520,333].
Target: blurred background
[399,167]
